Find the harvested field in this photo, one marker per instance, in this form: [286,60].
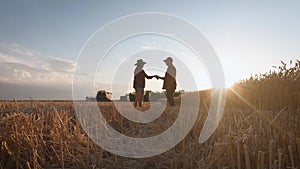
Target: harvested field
[48,135]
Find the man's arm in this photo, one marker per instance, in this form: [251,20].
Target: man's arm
[158,77]
[148,77]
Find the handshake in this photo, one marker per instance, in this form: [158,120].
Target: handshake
[156,76]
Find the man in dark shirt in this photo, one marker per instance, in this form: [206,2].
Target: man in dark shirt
[169,81]
[139,82]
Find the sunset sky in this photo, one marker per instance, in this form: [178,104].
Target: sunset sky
[41,40]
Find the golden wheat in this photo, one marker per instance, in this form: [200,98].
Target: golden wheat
[34,135]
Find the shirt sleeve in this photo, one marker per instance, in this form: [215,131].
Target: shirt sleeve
[145,75]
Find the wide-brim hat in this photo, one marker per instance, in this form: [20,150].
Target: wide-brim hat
[168,59]
[140,62]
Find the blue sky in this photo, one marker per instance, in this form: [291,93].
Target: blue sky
[40,40]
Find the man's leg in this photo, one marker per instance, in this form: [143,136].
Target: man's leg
[141,98]
[138,98]
[170,96]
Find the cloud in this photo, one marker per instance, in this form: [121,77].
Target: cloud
[36,91]
[24,67]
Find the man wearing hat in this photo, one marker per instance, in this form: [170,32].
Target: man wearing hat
[169,81]
[139,82]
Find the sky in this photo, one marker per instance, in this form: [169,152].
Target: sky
[40,42]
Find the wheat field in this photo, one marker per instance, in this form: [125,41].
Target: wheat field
[34,135]
[260,129]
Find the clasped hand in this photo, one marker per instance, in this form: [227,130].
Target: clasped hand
[156,76]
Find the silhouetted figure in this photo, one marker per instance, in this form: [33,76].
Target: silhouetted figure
[139,82]
[169,81]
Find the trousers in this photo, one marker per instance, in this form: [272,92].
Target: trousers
[170,96]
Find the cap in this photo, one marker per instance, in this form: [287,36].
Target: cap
[169,59]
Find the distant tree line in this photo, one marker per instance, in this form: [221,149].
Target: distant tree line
[153,96]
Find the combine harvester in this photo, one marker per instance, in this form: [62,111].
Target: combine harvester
[102,96]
